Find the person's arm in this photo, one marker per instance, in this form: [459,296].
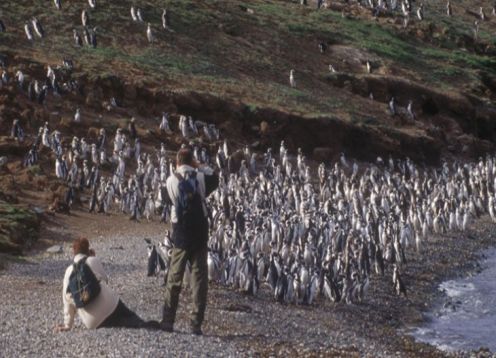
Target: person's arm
[211,179]
[69,307]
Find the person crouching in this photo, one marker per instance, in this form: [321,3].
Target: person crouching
[105,309]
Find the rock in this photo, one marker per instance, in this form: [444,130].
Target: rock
[55,249]
[264,128]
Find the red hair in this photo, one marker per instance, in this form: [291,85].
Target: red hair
[81,246]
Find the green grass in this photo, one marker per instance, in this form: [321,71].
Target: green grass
[219,49]
[18,227]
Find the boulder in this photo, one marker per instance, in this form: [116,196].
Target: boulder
[55,249]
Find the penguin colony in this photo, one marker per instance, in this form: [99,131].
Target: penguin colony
[275,221]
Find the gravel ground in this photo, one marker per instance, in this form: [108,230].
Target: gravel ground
[236,325]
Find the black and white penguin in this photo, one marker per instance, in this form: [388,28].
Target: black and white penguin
[16,131]
[166,20]
[92,4]
[155,261]
[85,18]
[93,40]
[449,10]
[149,33]
[392,106]
[409,110]
[133,14]
[38,28]
[322,47]
[292,81]
[420,12]
[58,4]
[77,38]
[28,31]
[482,14]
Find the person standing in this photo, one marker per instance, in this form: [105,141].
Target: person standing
[188,188]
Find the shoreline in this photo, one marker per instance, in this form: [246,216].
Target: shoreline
[260,326]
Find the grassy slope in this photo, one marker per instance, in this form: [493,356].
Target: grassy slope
[18,228]
[220,49]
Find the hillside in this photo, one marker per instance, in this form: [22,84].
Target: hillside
[230,60]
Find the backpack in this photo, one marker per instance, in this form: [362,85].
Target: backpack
[189,206]
[83,285]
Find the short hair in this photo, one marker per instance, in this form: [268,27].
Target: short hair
[184,156]
[81,246]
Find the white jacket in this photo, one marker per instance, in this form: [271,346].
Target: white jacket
[97,311]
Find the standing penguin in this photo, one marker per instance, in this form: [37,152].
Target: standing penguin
[292,80]
[166,20]
[77,38]
[133,14]
[149,34]
[92,3]
[77,116]
[58,4]
[449,10]
[409,110]
[392,106]
[85,18]
[420,12]
[27,30]
[38,28]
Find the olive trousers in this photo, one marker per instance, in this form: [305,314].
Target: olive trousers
[198,284]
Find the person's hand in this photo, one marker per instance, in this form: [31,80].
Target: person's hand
[60,328]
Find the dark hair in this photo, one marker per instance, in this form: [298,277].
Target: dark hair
[184,156]
[81,246]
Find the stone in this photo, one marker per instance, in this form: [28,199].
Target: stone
[55,249]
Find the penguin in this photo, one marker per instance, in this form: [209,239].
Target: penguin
[392,106]
[409,110]
[93,39]
[368,66]
[2,26]
[16,132]
[449,10]
[149,33]
[166,20]
[133,133]
[86,36]
[398,283]
[77,116]
[322,47]
[482,14]
[133,14]
[155,261]
[85,18]
[292,81]
[27,30]
[58,4]
[420,12]
[38,28]
[77,38]
[138,15]
[476,30]
[332,69]
[92,4]
[20,78]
